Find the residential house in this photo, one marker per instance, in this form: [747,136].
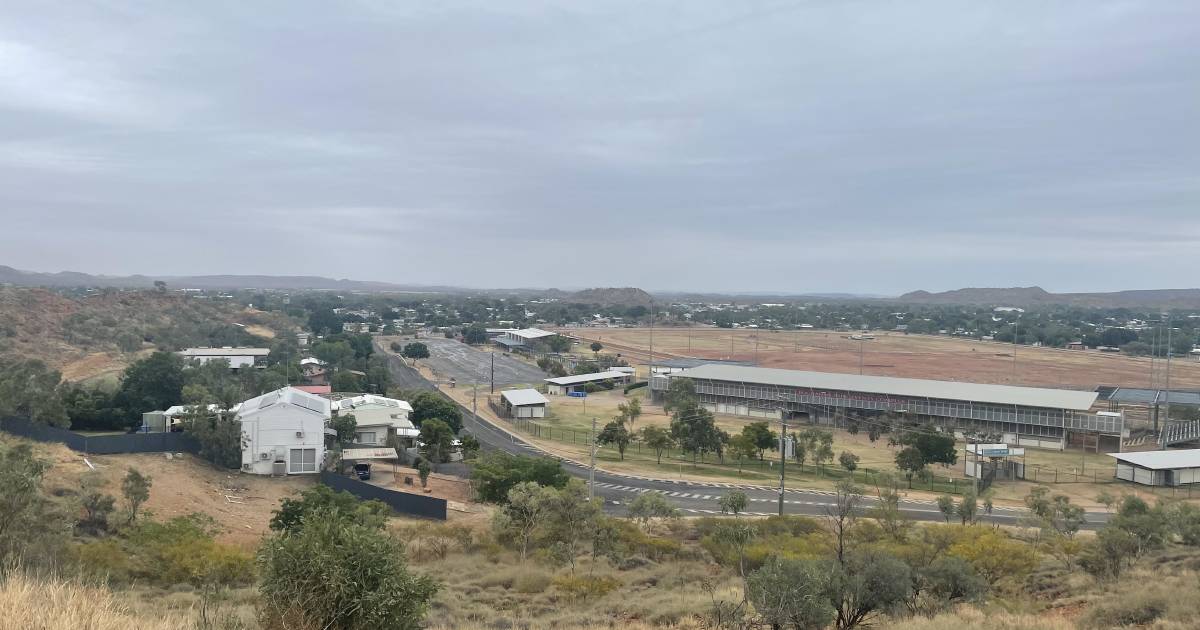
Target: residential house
[378,419]
[283,432]
[314,370]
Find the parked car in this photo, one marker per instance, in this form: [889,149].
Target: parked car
[363,471]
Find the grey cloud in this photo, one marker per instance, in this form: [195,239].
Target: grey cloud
[792,146]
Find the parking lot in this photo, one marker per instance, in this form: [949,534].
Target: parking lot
[453,359]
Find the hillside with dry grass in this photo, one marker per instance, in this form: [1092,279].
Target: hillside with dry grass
[100,333]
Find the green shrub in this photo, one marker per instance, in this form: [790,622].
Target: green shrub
[583,587]
[335,573]
[178,551]
[105,560]
[632,386]
[530,582]
[1131,609]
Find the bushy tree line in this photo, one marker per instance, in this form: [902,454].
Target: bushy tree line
[845,571]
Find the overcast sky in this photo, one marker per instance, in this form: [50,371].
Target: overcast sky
[812,145]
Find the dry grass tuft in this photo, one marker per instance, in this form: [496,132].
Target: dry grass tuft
[32,604]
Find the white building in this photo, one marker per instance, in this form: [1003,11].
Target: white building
[577,382]
[237,357]
[1159,468]
[283,432]
[377,418]
[524,403]
[523,337]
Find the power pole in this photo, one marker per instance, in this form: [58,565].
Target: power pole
[650,373]
[1018,318]
[974,446]
[1168,375]
[782,461]
[592,471]
[492,389]
[861,341]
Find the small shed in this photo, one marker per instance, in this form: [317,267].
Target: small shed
[1159,468]
[994,461]
[524,403]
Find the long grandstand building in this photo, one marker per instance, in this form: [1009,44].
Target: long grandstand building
[1028,416]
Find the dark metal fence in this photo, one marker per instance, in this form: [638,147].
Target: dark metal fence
[402,502]
[102,444]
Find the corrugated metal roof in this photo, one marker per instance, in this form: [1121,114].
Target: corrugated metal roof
[532,333]
[1161,460]
[522,397]
[371,401]
[916,388]
[684,363]
[1149,396]
[585,378]
[286,395]
[363,454]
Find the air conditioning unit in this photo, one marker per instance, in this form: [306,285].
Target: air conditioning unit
[246,467]
[299,434]
[264,456]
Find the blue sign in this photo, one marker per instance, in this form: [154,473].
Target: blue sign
[577,394]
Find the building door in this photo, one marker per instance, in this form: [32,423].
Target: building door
[302,460]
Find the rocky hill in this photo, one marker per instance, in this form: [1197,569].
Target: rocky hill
[101,333]
[1034,296]
[624,296]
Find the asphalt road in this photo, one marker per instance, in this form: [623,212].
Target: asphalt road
[454,359]
[699,498]
[403,376]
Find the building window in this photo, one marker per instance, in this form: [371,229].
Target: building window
[303,460]
[365,437]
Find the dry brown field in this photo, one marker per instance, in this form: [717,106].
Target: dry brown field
[896,354]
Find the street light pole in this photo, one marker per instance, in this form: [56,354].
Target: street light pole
[650,373]
[592,471]
[861,341]
[782,462]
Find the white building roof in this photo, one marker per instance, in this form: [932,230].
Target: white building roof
[311,361]
[523,397]
[225,352]
[286,396]
[1162,460]
[889,385]
[371,401]
[361,454]
[585,378]
[531,333]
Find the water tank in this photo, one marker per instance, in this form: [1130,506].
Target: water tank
[154,421]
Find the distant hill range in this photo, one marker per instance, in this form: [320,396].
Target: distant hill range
[1035,296]
[64,279]
[626,296]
